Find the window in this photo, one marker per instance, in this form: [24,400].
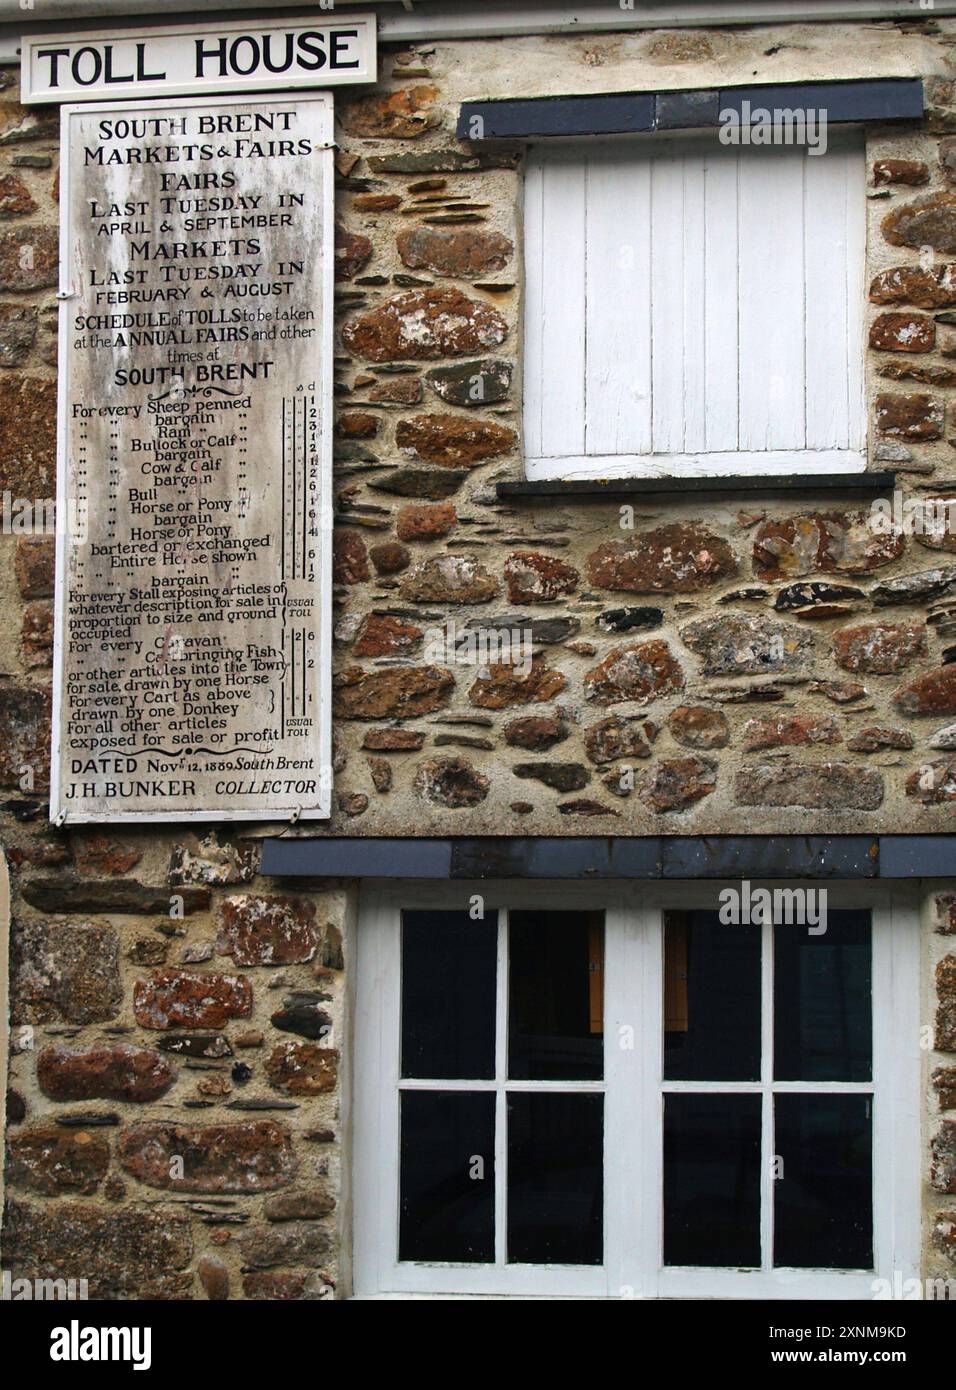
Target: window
[604,1092]
[694,308]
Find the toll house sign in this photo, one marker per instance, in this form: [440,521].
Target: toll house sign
[185,59]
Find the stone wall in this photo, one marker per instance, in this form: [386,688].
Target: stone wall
[180,1023]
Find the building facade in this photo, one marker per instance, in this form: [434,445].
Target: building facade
[623,966]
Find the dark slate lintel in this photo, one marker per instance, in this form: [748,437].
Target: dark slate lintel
[833,857]
[764,485]
[618,113]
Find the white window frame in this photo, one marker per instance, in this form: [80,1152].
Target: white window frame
[633,1088]
[549,319]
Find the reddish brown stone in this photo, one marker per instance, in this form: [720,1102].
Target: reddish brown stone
[24,734]
[15,199]
[353,804]
[840,692]
[536,578]
[903,333]
[422,325]
[65,970]
[349,558]
[945,1040]
[537,733]
[945,909]
[352,253]
[214,1277]
[933,693]
[452,441]
[642,672]
[376,202]
[934,782]
[124,1253]
[252,1156]
[934,288]
[909,417]
[282,1285]
[943,1166]
[257,930]
[873,738]
[51,1160]
[391,694]
[465,253]
[393,740]
[382,635]
[27,436]
[821,786]
[935,523]
[302,1068]
[789,731]
[29,258]
[680,558]
[825,542]
[582,806]
[401,115]
[617,740]
[881,648]
[908,171]
[18,332]
[390,557]
[357,425]
[451,782]
[103,1071]
[928,221]
[944,1083]
[448,579]
[677,783]
[926,375]
[190,999]
[505,685]
[425,523]
[36,634]
[399,390]
[298,1206]
[381,774]
[696,726]
[99,854]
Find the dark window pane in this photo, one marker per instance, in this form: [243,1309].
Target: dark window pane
[447,1176]
[711,999]
[712,1180]
[824,1203]
[555,1179]
[822,1008]
[555,1021]
[448,995]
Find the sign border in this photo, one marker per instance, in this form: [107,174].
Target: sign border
[31,96]
[59,813]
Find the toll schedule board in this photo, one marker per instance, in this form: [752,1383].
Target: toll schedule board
[192,648]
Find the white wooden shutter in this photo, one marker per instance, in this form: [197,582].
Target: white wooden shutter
[693,308]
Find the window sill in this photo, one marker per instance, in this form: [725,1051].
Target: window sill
[796,484]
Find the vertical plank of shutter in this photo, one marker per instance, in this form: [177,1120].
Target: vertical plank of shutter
[720,294]
[533,305]
[693,308]
[854,287]
[772,390]
[618,389]
[667,297]
[828,328]
[562,310]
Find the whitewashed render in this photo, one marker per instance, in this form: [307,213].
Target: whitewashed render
[758,368]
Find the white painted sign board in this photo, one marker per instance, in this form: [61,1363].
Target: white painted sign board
[191,671]
[184,59]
